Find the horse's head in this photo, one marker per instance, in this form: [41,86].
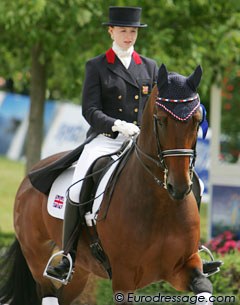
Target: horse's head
[175,107]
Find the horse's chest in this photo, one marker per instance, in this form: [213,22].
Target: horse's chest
[175,238]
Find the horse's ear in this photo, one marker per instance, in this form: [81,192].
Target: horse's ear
[162,80]
[195,78]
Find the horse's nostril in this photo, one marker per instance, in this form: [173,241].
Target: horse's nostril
[178,194]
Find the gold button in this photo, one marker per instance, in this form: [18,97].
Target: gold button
[136,97]
[120,110]
[135,109]
[135,122]
[119,97]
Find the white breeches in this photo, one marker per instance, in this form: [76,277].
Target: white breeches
[99,146]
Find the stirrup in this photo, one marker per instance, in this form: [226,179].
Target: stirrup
[66,280]
[206,250]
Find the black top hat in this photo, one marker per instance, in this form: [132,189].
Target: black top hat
[125,16]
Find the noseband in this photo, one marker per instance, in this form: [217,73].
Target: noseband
[162,154]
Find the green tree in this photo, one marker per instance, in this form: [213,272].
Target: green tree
[230,124]
[48,43]
[39,34]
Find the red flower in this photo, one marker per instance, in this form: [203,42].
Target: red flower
[227,106]
[228,235]
[230,87]
[224,243]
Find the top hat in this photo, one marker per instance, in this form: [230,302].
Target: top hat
[125,16]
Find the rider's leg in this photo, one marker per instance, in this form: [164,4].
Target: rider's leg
[70,237]
[93,150]
[71,222]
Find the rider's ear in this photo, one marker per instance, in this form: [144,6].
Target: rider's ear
[194,79]
[162,80]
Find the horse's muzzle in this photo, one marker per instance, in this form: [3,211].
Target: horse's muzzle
[178,193]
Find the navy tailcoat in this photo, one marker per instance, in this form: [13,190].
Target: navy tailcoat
[113,92]
[110,92]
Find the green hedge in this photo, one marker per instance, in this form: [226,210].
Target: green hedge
[6,239]
[225,283]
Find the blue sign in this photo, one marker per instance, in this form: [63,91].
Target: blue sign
[225,210]
[14,109]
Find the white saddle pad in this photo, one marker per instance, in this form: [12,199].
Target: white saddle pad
[57,196]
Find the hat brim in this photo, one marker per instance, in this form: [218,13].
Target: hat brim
[180,111]
[141,25]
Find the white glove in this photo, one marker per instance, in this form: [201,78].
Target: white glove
[127,129]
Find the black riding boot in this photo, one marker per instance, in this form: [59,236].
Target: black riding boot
[70,238]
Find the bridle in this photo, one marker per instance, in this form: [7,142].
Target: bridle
[162,154]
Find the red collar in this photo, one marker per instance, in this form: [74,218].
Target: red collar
[110,55]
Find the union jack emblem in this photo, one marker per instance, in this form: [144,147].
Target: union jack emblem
[58,202]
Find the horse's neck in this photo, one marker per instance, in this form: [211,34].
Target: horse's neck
[144,163]
[147,140]
[143,197]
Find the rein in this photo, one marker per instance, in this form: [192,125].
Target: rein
[162,154]
[138,151]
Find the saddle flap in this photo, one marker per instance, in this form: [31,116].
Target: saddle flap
[92,189]
[57,196]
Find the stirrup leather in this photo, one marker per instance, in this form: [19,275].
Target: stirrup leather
[66,280]
[209,253]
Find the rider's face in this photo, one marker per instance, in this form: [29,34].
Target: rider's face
[125,37]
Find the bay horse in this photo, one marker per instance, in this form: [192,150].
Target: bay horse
[152,230]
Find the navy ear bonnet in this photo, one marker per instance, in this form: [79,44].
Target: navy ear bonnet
[178,95]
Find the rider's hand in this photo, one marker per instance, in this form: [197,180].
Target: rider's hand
[127,129]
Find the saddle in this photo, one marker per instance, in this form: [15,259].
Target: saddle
[96,172]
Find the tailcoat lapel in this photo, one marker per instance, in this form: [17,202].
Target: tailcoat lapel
[130,75]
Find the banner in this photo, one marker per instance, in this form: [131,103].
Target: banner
[14,112]
[67,131]
[225,210]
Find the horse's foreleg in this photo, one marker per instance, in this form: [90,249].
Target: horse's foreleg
[190,278]
[123,285]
